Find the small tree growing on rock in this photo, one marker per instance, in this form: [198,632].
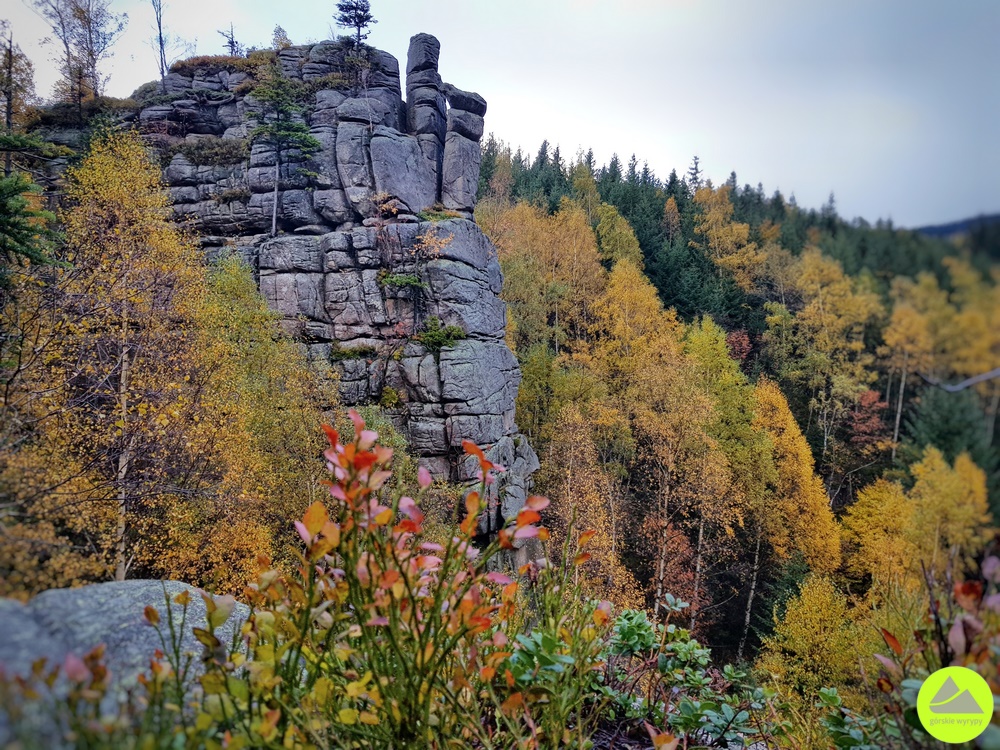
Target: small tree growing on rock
[279,128]
[355,14]
[230,42]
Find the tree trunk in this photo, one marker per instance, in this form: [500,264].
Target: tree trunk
[277,179]
[124,458]
[991,416]
[661,563]
[8,165]
[161,43]
[661,569]
[697,572]
[899,405]
[753,592]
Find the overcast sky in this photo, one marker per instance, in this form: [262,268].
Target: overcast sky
[893,105]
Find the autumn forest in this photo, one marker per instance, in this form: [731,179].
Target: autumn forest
[769,465]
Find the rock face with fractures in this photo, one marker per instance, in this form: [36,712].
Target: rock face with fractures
[377,243]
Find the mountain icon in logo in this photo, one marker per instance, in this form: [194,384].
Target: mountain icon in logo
[950,699]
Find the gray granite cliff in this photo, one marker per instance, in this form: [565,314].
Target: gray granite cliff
[376,241]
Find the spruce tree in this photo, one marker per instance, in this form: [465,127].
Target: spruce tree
[952,423]
[355,14]
[280,128]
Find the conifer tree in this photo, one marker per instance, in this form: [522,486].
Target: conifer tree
[357,15]
[25,235]
[233,47]
[950,422]
[282,127]
[694,180]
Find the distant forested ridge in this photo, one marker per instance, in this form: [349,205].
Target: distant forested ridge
[640,195]
[981,233]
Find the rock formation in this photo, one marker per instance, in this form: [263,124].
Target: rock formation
[74,621]
[60,622]
[377,250]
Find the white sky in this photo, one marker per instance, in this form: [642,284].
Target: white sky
[892,104]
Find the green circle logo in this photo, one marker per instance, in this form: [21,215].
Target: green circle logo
[955,705]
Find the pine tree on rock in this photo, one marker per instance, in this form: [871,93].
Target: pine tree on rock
[233,47]
[282,127]
[355,14]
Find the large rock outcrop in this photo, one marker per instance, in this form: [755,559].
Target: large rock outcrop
[377,247]
[60,622]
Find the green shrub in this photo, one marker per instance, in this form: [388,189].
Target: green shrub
[334,81]
[206,64]
[146,92]
[216,152]
[390,398]
[400,280]
[338,354]
[63,114]
[439,213]
[436,337]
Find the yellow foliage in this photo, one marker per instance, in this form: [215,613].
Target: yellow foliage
[798,516]
[950,510]
[616,238]
[551,271]
[165,428]
[671,219]
[633,330]
[892,536]
[105,400]
[823,345]
[908,335]
[874,531]
[582,494]
[585,189]
[835,309]
[727,242]
[972,345]
[819,643]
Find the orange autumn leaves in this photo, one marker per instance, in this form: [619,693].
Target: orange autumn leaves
[421,630]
